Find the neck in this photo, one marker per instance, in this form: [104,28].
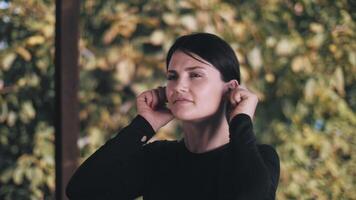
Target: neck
[207,134]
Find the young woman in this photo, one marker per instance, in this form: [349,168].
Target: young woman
[218,157]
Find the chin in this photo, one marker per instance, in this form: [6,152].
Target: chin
[185,115]
[191,117]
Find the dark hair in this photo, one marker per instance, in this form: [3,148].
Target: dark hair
[212,49]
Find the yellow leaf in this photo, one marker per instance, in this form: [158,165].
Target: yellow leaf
[285,47]
[189,22]
[316,27]
[301,63]
[8,60]
[338,81]
[271,41]
[170,19]
[18,176]
[255,58]
[125,70]
[203,18]
[157,37]
[316,41]
[27,112]
[24,53]
[309,90]
[48,30]
[245,73]
[270,77]
[35,40]
[352,58]
[144,72]
[96,136]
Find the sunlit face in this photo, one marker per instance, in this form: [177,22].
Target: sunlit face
[197,82]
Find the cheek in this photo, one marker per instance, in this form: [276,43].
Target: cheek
[208,97]
[169,92]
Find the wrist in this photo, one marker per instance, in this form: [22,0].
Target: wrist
[151,123]
[237,113]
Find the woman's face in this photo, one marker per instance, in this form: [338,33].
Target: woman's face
[194,89]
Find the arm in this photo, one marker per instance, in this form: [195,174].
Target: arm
[115,169]
[257,176]
[271,160]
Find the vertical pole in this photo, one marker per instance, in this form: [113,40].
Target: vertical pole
[66,86]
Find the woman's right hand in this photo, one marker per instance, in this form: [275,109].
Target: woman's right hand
[151,105]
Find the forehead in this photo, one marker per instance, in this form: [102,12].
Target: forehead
[182,61]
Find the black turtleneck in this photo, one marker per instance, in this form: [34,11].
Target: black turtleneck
[126,168]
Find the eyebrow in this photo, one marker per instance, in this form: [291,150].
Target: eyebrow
[188,69]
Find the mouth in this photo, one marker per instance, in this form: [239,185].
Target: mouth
[182,101]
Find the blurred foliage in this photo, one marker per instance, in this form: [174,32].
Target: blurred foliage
[299,57]
[26,100]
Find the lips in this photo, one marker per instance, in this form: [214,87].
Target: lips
[183,100]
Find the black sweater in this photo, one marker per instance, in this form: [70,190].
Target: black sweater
[125,168]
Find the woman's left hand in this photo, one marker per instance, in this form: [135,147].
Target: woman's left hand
[241,101]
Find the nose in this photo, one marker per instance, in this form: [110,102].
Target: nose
[181,85]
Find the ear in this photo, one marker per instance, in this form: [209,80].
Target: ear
[230,85]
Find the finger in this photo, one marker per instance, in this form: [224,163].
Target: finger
[141,98]
[232,98]
[154,98]
[241,96]
[158,98]
[235,93]
[163,95]
[244,93]
[160,93]
[148,98]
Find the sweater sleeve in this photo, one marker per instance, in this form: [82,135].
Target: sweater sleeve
[257,172]
[117,168]
[271,160]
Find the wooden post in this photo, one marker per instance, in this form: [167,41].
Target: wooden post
[66,80]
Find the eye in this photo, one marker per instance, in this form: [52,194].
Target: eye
[195,75]
[171,77]
[192,75]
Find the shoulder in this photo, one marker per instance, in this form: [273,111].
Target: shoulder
[267,149]
[271,160]
[268,153]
